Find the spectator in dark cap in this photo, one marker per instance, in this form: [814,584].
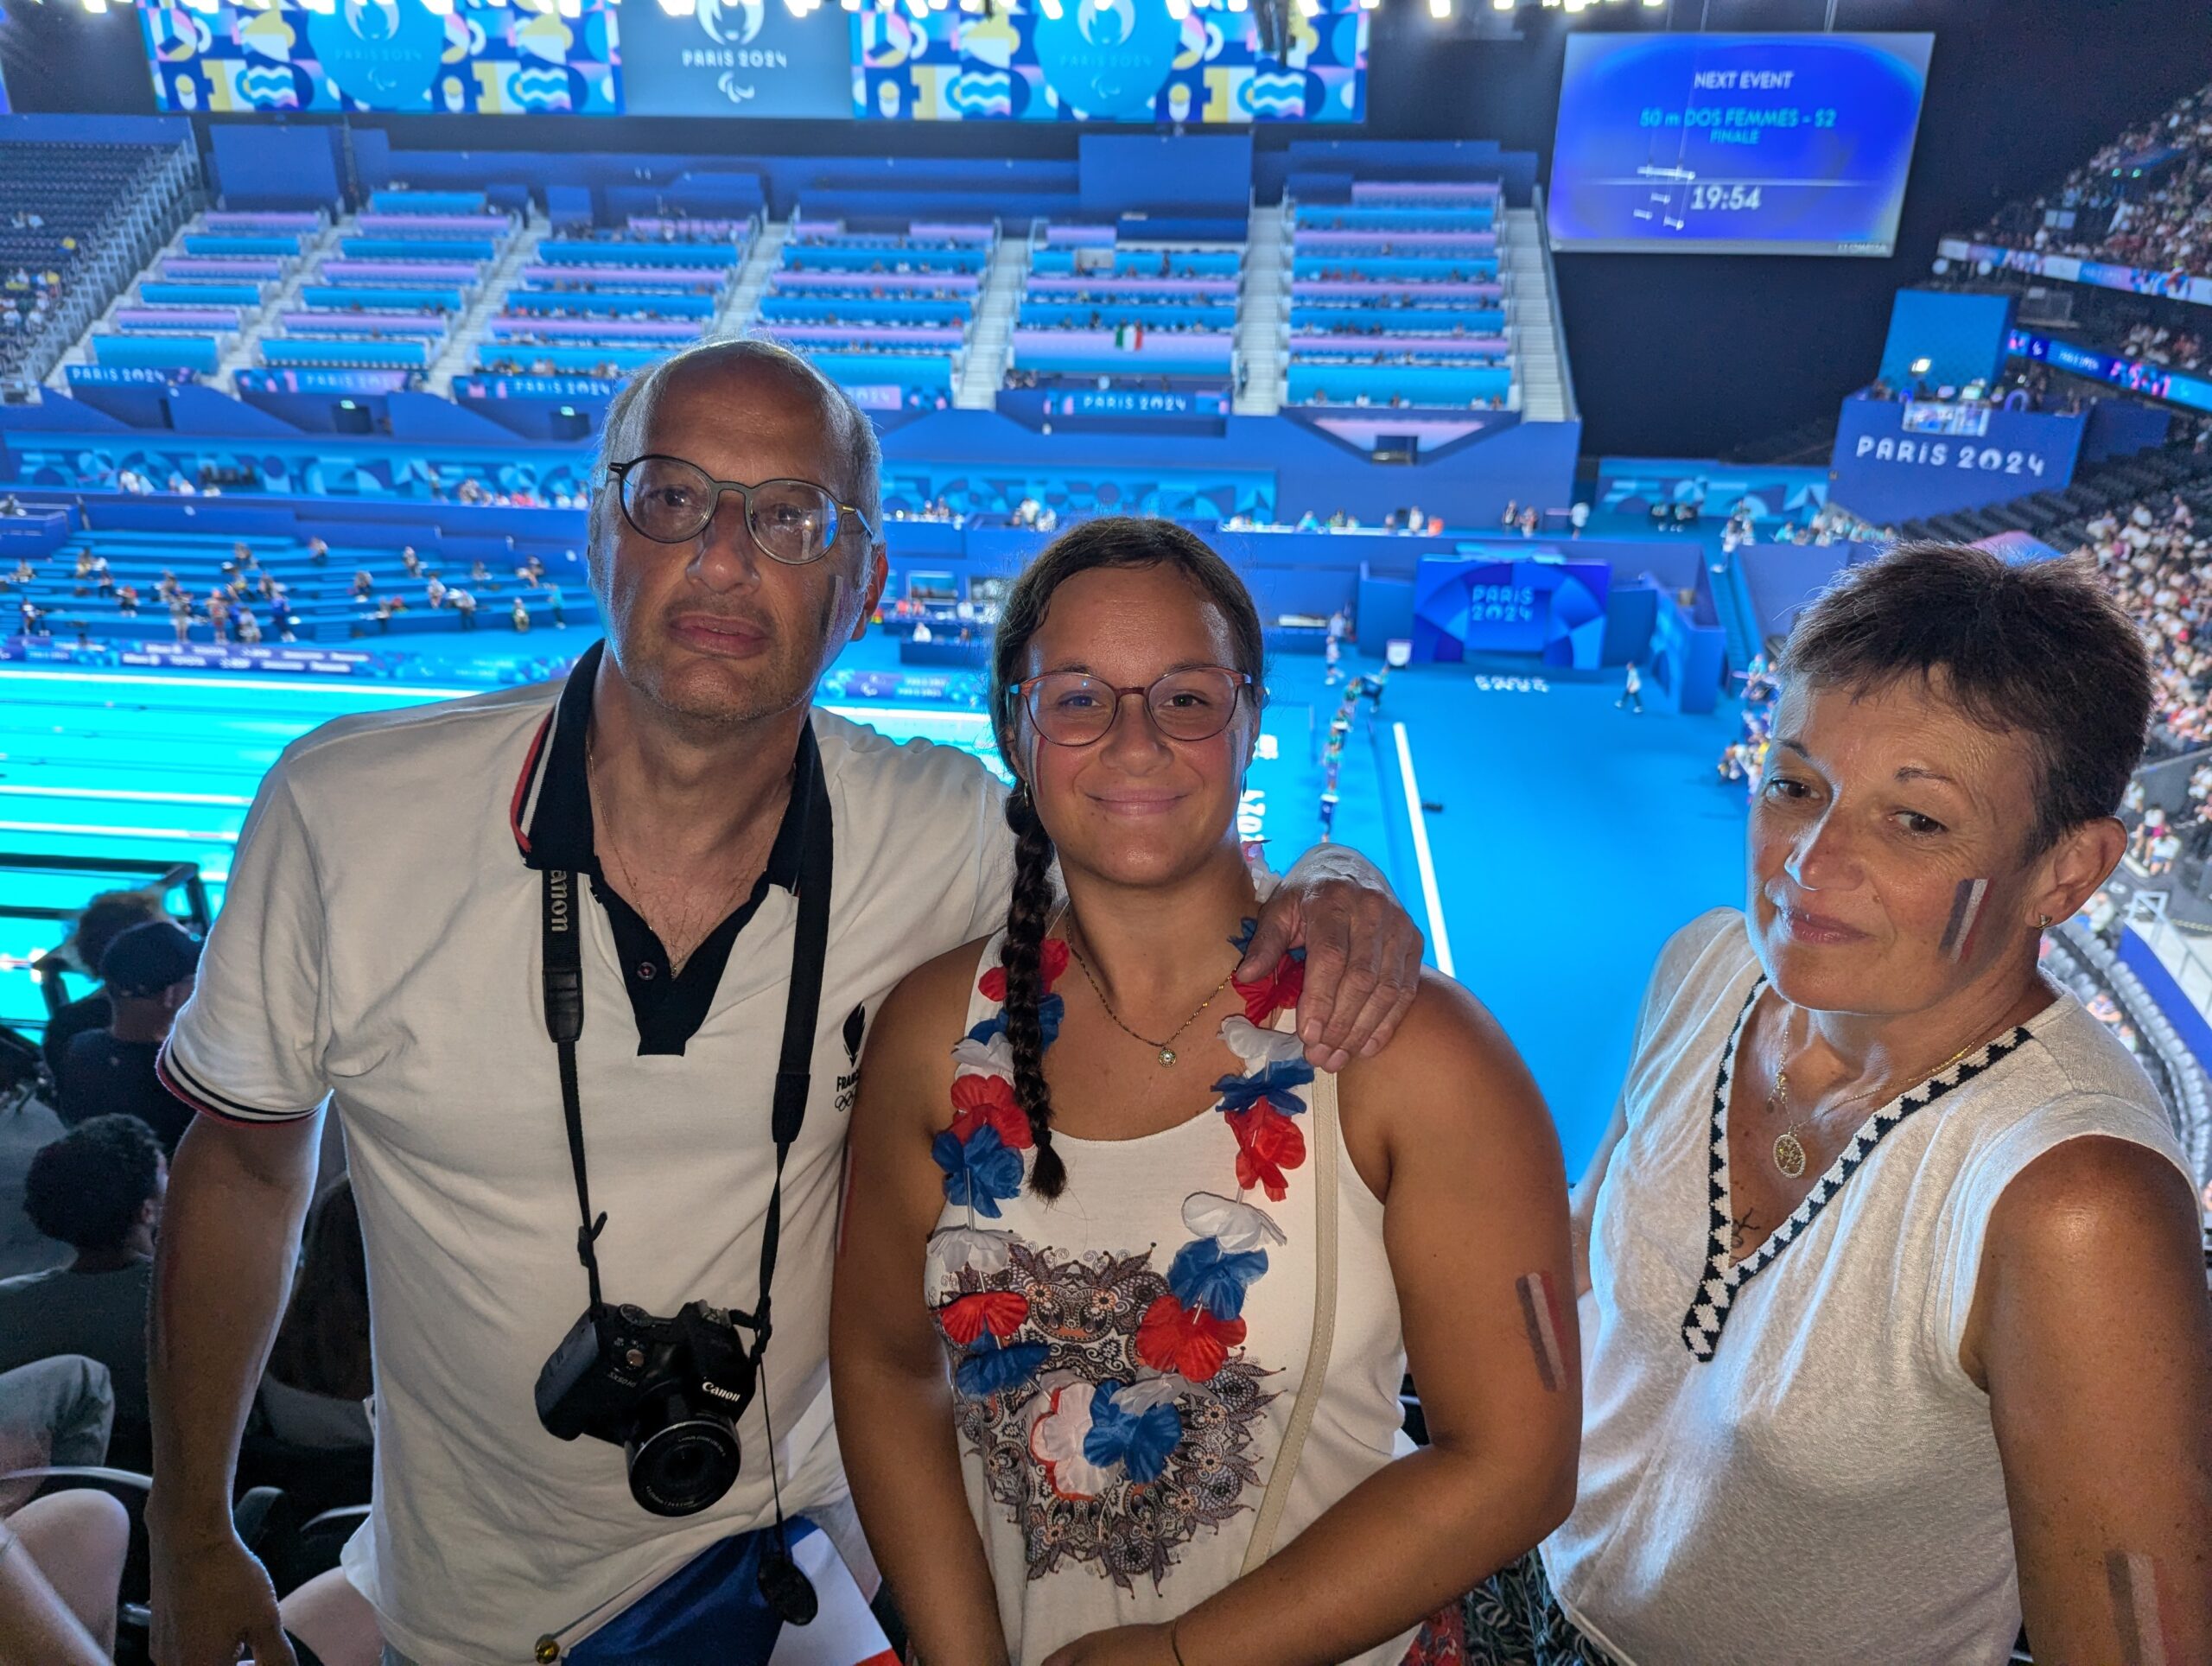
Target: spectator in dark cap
[149,972]
[97,1189]
[107,917]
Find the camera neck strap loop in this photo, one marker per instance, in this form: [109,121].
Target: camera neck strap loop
[562,970]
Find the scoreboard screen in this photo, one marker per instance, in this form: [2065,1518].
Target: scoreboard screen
[1735,144]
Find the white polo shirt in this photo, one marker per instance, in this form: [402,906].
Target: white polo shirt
[380,944]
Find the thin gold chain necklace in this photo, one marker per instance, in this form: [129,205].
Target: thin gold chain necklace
[1788,1151]
[1164,1051]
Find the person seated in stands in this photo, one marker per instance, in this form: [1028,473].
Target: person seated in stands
[1309,522]
[364,582]
[146,973]
[23,573]
[434,591]
[10,506]
[181,485]
[480,574]
[520,614]
[1529,519]
[318,552]
[1925,1267]
[97,1189]
[248,626]
[104,918]
[464,605]
[313,1387]
[127,599]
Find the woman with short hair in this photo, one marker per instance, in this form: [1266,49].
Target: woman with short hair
[1894,1302]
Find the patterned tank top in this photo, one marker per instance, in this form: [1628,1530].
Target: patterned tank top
[1125,1358]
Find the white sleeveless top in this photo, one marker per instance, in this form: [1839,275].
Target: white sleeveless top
[1784,1462]
[1125,1357]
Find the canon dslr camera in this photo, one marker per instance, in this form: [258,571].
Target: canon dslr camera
[668,1391]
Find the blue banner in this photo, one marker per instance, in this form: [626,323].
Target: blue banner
[321,381]
[1886,472]
[1123,407]
[2155,381]
[2174,284]
[1556,608]
[1735,144]
[116,376]
[535,387]
[736,57]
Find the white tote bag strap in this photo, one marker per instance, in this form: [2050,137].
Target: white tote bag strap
[1322,1102]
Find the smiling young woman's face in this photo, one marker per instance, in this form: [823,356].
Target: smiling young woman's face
[1136,808]
[1889,848]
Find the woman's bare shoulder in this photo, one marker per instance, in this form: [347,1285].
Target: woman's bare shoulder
[1449,1056]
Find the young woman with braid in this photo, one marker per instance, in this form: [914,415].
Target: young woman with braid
[1094,1184]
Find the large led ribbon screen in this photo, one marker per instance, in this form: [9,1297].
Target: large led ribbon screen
[1110,61]
[383,54]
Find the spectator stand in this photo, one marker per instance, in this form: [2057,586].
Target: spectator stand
[1106,325]
[888,310]
[78,222]
[1397,299]
[595,307]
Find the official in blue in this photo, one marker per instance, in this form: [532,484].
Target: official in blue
[585,972]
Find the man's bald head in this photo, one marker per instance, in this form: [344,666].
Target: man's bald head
[857,453]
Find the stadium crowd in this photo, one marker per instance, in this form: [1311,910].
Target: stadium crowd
[2110,215]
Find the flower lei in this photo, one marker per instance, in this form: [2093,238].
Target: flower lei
[1082,1432]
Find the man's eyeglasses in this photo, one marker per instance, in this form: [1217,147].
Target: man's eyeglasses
[670,501]
[1073,708]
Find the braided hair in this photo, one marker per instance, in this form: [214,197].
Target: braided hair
[1027,914]
[1110,541]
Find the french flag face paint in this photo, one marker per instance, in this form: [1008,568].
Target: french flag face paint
[1965,911]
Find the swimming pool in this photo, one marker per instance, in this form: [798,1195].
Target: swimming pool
[162,768]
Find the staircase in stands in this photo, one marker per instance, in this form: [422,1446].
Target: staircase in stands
[459,358]
[1540,373]
[1263,313]
[983,371]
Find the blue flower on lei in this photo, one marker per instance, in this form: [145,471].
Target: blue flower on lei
[1050,1011]
[991,1367]
[1247,930]
[1276,1084]
[980,1172]
[1140,1440]
[1203,1275]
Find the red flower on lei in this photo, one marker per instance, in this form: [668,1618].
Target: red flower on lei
[1279,989]
[987,1102]
[999,1311]
[1192,1344]
[1267,1142]
[1055,961]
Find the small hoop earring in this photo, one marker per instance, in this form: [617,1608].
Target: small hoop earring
[2041,920]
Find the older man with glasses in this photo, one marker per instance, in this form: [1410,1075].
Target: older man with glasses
[588,1142]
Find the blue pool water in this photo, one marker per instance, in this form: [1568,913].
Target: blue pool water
[1568,838]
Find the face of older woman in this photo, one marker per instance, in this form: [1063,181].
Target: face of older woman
[1888,852]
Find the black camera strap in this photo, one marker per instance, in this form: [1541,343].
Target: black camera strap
[565,1022]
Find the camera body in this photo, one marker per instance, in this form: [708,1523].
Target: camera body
[668,1391]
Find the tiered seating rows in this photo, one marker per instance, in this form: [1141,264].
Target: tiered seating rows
[1138,315]
[885,312]
[1395,298]
[603,306]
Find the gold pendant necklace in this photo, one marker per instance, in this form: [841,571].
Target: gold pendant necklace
[1789,1150]
[1163,1051]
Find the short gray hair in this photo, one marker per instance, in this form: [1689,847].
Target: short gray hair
[630,414]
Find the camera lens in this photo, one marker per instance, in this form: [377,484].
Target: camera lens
[680,1460]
